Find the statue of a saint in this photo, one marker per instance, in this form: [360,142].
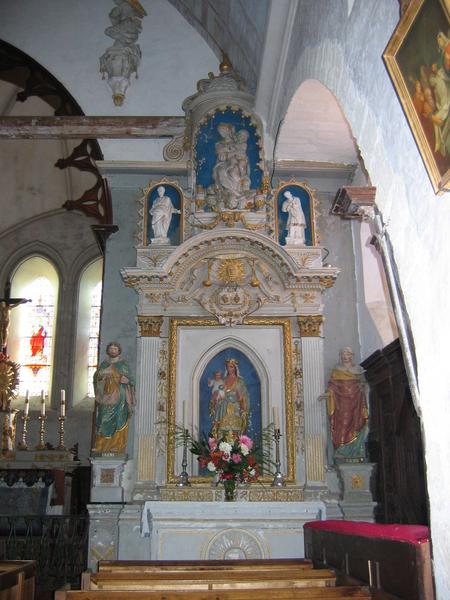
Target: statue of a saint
[296,223]
[348,409]
[229,404]
[114,399]
[161,211]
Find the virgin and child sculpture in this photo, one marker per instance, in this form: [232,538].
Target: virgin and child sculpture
[229,402]
[231,172]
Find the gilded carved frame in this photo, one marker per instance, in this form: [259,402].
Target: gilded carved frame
[409,57]
[289,425]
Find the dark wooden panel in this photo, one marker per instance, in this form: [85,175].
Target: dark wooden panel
[395,441]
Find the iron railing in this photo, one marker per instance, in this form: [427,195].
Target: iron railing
[58,544]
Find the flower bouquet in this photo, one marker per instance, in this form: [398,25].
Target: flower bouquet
[234,459]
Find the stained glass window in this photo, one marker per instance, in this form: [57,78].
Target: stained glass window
[94,329]
[88,328]
[31,342]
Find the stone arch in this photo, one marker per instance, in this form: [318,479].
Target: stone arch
[314,103]
[35,248]
[316,126]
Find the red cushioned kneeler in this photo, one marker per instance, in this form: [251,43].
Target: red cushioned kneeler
[399,555]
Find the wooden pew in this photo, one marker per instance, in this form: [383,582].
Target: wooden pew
[285,579]
[395,560]
[144,566]
[213,579]
[17,579]
[327,593]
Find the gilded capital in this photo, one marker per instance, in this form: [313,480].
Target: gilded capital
[150,326]
[310,325]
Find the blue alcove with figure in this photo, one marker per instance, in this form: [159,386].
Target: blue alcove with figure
[208,136]
[248,373]
[306,201]
[174,232]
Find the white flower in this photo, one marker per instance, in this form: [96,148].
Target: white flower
[225,447]
[211,466]
[244,449]
[251,472]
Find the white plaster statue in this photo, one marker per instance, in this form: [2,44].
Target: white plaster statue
[231,171]
[296,223]
[126,21]
[161,212]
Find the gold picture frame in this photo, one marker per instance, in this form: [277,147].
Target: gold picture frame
[176,362]
[417,58]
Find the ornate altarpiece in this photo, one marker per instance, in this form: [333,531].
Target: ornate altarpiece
[233,285]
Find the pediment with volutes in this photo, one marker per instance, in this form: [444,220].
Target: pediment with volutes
[231,275]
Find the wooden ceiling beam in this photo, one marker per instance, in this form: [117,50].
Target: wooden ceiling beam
[76,127]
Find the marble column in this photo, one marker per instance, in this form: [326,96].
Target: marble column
[147,386]
[313,385]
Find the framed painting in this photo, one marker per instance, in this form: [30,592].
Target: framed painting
[294,214]
[418,60]
[163,212]
[225,380]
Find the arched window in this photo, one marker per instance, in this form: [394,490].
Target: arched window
[94,330]
[32,329]
[88,327]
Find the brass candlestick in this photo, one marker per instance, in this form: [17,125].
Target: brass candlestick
[183,477]
[61,445]
[23,445]
[278,479]
[41,445]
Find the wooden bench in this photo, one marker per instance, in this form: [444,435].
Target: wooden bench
[17,579]
[327,593]
[213,579]
[204,580]
[144,566]
[393,559]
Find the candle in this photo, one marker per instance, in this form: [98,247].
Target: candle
[184,414]
[63,403]
[42,404]
[276,417]
[27,403]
